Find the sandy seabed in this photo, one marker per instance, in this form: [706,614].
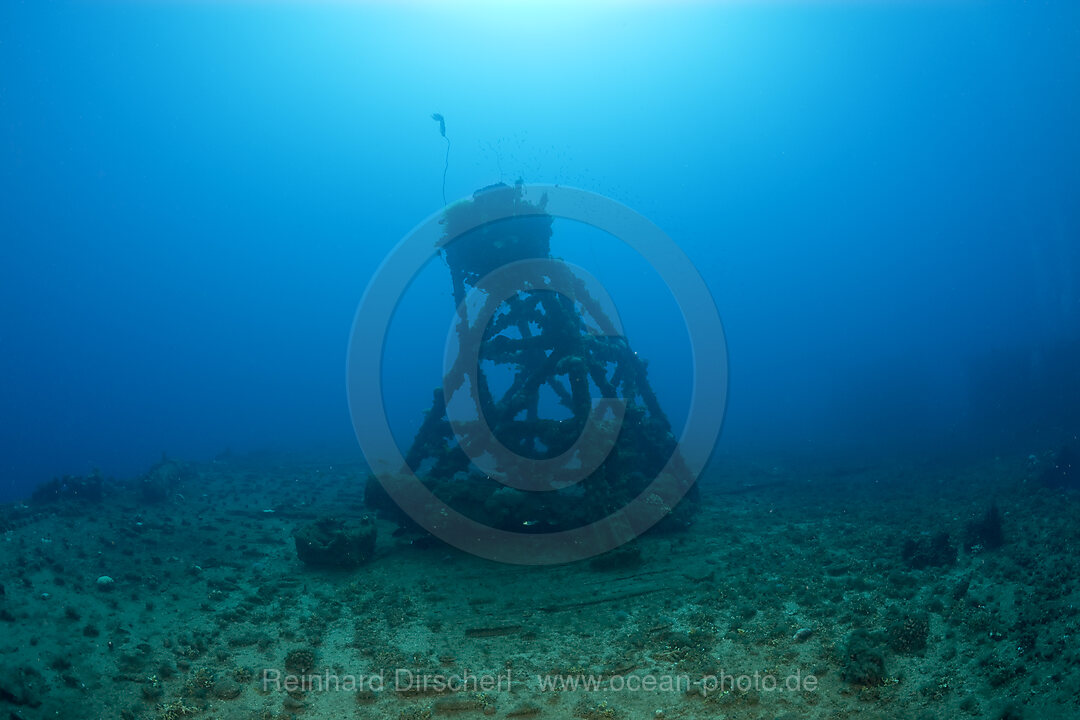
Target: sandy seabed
[789,597]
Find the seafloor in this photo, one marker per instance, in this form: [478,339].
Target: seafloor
[790,571]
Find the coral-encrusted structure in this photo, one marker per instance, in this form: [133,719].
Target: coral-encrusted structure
[545,357]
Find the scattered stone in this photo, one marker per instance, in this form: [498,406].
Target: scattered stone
[908,632]
[937,551]
[300,662]
[226,688]
[494,631]
[70,487]
[19,686]
[987,532]
[160,481]
[865,657]
[330,542]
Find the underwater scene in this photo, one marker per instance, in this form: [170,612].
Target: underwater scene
[540,360]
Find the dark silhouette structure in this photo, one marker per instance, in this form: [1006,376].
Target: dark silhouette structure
[550,378]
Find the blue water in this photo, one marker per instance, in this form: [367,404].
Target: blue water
[882,199]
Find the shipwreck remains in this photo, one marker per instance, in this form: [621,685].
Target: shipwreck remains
[546,419]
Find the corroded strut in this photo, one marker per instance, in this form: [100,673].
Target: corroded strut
[551,355]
